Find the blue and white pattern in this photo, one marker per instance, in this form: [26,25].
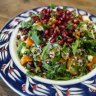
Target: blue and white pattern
[26,86]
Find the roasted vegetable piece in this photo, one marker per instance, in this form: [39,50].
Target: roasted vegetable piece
[25,59]
[71,66]
[29,42]
[94,60]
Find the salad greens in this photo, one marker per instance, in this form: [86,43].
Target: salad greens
[57,44]
[20,46]
[26,24]
[33,34]
[45,51]
[75,46]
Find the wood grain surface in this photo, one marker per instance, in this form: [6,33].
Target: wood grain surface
[10,8]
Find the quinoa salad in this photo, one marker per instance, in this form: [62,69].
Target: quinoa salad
[57,44]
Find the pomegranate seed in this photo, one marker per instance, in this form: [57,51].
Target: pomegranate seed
[47,36]
[35,18]
[30,54]
[16,43]
[75,21]
[30,63]
[52,40]
[59,10]
[53,25]
[20,29]
[65,24]
[61,42]
[44,11]
[59,22]
[70,33]
[58,31]
[44,21]
[67,12]
[54,34]
[61,27]
[51,31]
[25,37]
[67,17]
[42,45]
[18,37]
[25,31]
[39,64]
[80,17]
[64,34]
[46,32]
[81,34]
[70,40]
[48,12]
[55,22]
[74,26]
[63,16]
[32,69]
[57,17]
[71,19]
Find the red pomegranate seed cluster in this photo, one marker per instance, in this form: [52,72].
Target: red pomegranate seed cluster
[62,23]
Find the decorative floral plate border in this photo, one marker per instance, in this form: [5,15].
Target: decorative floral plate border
[26,86]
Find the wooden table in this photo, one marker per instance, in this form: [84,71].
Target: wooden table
[10,8]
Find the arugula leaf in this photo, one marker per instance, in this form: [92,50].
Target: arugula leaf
[20,46]
[45,51]
[64,46]
[57,57]
[45,26]
[91,52]
[35,38]
[66,76]
[26,24]
[64,7]
[89,45]
[34,14]
[88,34]
[50,72]
[62,68]
[59,37]
[33,34]
[90,42]
[75,46]
[46,66]
[25,50]
[69,26]
[30,73]
[52,6]
[80,25]
[94,27]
